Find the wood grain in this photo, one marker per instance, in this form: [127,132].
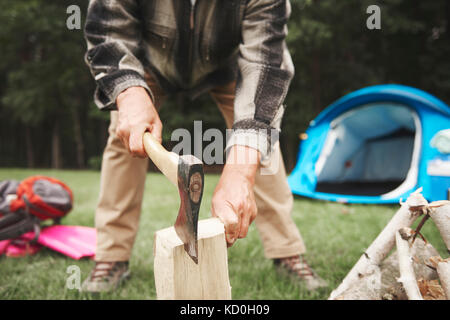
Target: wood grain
[178,277]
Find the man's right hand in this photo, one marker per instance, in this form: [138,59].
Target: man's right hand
[137,114]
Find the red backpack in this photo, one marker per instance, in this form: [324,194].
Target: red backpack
[24,205]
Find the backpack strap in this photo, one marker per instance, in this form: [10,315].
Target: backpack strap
[8,190]
[29,206]
[13,225]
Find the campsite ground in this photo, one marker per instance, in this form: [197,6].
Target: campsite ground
[335,235]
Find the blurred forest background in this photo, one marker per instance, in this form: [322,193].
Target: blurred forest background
[47,114]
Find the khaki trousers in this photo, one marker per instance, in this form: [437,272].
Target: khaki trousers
[122,186]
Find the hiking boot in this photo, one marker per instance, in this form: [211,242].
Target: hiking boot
[298,267]
[106,277]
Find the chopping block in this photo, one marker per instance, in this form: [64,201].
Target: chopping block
[178,277]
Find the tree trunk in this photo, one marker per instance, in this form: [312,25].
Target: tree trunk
[56,147]
[289,154]
[103,136]
[29,146]
[78,139]
[316,82]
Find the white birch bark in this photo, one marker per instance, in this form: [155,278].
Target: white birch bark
[382,245]
[440,214]
[405,262]
[443,270]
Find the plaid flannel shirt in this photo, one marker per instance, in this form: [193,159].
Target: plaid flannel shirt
[193,47]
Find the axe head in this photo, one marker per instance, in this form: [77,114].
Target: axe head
[190,187]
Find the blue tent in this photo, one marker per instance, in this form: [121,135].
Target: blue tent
[373,146]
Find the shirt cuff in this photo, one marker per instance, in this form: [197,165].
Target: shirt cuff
[263,140]
[111,85]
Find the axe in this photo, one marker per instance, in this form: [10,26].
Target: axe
[186,172]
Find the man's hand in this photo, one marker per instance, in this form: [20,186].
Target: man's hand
[234,200]
[137,114]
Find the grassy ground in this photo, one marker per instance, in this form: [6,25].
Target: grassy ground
[335,234]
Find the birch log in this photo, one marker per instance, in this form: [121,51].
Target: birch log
[422,252]
[443,270]
[177,277]
[382,245]
[440,213]
[368,288]
[405,262]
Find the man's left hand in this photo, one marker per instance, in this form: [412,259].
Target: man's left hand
[234,200]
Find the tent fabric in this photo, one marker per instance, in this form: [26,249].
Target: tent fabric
[380,154]
[363,140]
[376,138]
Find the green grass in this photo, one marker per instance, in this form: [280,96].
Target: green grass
[335,235]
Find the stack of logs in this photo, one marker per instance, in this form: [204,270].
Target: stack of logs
[415,271]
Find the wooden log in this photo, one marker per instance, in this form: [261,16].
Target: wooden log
[440,214]
[368,288]
[177,277]
[421,252]
[405,262]
[443,270]
[382,245]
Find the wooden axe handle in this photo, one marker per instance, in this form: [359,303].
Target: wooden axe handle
[166,161]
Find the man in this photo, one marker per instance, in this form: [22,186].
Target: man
[141,51]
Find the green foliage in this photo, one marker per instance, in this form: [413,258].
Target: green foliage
[47,88]
[39,47]
[95,163]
